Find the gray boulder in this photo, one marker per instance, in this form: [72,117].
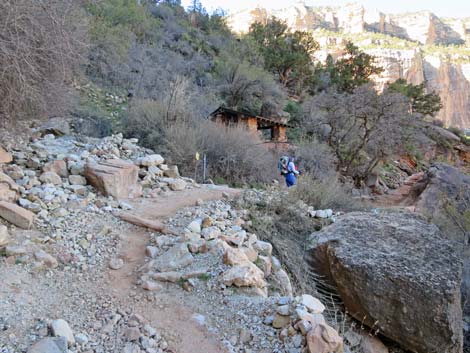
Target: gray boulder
[444,197]
[49,345]
[397,273]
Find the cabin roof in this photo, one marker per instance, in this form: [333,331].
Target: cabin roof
[246,114]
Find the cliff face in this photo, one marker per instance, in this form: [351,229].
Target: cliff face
[446,72]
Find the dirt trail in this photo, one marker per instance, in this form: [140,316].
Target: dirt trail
[403,197]
[170,315]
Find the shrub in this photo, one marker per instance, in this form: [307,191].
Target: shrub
[324,194]
[232,153]
[40,47]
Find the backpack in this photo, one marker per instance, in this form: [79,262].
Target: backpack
[282,164]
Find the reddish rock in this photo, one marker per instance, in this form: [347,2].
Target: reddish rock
[115,178]
[5,157]
[59,167]
[324,339]
[16,215]
[8,188]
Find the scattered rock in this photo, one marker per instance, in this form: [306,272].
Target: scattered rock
[324,339]
[61,328]
[178,256]
[58,167]
[9,190]
[235,256]
[151,286]
[246,275]
[280,321]
[312,304]
[49,345]
[16,215]
[176,184]
[116,263]
[77,180]
[5,157]
[152,160]
[46,259]
[4,236]
[50,178]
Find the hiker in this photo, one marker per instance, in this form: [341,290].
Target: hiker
[288,170]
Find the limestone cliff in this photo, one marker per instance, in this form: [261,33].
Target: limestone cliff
[419,47]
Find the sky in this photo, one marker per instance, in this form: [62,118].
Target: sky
[443,8]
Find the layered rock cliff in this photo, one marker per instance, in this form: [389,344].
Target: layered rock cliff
[419,47]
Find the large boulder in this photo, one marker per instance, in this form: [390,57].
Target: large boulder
[397,273]
[57,126]
[114,177]
[444,190]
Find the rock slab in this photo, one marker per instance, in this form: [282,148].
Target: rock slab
[16,215]
[115,177]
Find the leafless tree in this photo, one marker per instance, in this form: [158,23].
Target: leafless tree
[41,42]
[361,128]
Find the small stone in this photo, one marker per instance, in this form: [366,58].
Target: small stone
[132,333]
[77,180]
[80,338]
[321,214]
[281,321]
[245,336]
[4,235]
[151,286]
[45,258]
[263,247]
[283,310]
[15,250]
[312,304]
[152,160]
[195,226]
[61,328]
[303,326]
[152,251]
[49,345]
[116,263]
[149,330]
[50,178]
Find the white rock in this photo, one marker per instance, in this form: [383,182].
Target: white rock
[61,328]
[4,235]
[283,310]
[152,160]
[116,263]
[312,304]
[195,226]
[81,338]
[263,247]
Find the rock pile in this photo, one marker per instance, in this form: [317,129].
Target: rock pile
[216,229]
[51,175]
[302,324]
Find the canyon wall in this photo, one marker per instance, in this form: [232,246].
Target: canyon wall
[444,71]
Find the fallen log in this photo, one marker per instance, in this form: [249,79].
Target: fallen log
[146,223]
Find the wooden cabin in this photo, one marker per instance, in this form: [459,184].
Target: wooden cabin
[275,127]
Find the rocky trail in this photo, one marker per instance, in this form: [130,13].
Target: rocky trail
[77,278]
